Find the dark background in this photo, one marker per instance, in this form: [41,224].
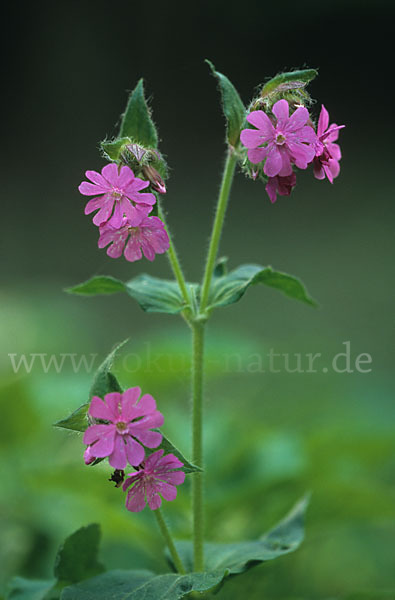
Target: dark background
[68,69]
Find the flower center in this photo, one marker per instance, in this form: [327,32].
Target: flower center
[121,426]
[117,193]
[280,139]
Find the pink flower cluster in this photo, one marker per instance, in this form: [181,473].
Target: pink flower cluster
[122,210]
[123,425]
[281,142]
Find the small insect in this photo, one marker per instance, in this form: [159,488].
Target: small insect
[118,476]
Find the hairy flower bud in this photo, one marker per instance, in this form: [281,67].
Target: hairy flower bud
[151,174]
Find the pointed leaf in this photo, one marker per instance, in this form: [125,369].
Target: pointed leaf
[136,585]
[221,268]
[77,557]
[103,383]
[136,121]
[101,284]
[77,421]
[232,106]
[113,148]
[298,78]
[229,288]
[238,557]
[156,295]
[169,448]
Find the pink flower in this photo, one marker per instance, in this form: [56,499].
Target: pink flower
[289,141]
[157,476]
[118,195]
[280,185]
[149,236]
[88,456]
[127,420]
[328,154]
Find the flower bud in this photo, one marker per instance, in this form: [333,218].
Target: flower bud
[152,175]
[88,456]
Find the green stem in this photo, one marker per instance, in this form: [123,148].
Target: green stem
[222,204]
[169,541]
[197,443]
[173,258]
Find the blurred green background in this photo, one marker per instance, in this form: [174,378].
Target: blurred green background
[269,436]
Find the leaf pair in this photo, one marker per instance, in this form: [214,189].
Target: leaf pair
[79,574]
[161,295]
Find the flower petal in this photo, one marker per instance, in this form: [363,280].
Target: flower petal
[95,432]
[97,179]
[137,184]
[334,151]
[153,498]
[135,500]
[104,213]
[319,172]
[174,477]
[251,138]
[90,189]
[99,409]
[261,121]
[302,154]
[105,440]
[93,204]
[117,458]
[256,155]
[307,134]
[110,174]
[298,119]
[281,110]
[271,189]
[128,403]
[125,177]
[150,439]
[134,451]
[323,121]
[169,492]
[274,162]
[133,250]
[153,459]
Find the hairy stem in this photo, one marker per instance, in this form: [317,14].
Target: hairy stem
[169,541]
[173,259]
[197,443]
[222,204]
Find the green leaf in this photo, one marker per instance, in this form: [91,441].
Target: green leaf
[25,589]
[112,149]
[135,585]
[236,558]
[221,267]
[103,383]
[136,121]
[77,557]
[75,561]
[169,448]
[77,421]
[232,106]
[101,284]
[156,295]
[229,288]
[289,80]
